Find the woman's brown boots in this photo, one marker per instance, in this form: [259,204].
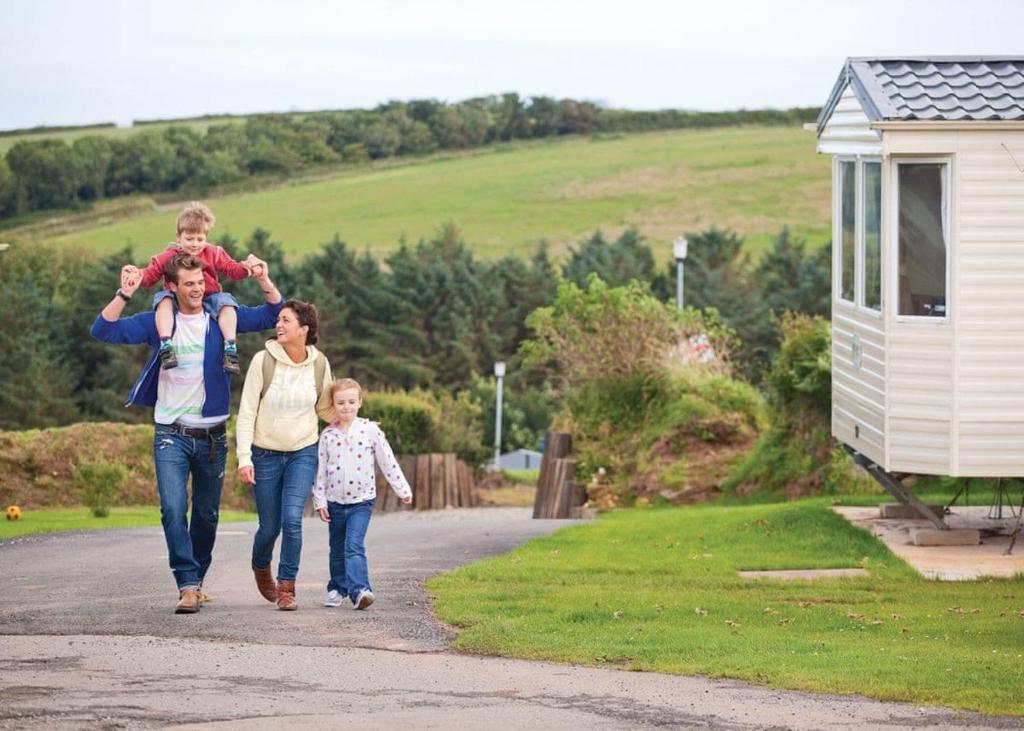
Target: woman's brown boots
[286,596]
[265,583]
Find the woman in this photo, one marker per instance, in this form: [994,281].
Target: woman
[285,389]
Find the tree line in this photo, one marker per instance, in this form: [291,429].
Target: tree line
[430,316]
[51,174]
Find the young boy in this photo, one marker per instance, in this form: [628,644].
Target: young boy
[193,226]
[345,491]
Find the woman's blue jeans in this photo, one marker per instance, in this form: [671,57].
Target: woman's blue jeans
[283,482]
[347,531]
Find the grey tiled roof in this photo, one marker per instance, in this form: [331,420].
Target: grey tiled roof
[948,88]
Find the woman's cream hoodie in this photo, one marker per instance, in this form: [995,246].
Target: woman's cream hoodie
[286,419]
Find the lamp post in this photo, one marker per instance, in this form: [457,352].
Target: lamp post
[679,250]
[499,372]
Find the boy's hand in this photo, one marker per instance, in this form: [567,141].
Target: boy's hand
[324,515]
[131,278]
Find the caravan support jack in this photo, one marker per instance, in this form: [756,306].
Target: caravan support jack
[895,488]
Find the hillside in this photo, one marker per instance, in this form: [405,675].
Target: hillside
[754,180]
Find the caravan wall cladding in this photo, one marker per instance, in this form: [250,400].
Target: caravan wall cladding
[928,301]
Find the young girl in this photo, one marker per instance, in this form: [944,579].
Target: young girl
[345,491]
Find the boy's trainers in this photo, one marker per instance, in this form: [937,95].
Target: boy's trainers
[334,599]
[168,359]
[231,362]
[364,599]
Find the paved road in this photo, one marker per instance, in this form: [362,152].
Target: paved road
[88,640]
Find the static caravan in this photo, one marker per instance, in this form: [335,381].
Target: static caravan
[928,267]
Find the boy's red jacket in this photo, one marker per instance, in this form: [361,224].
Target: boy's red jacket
[214,259]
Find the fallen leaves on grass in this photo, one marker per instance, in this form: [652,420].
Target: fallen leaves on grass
[731,623]
[704,612]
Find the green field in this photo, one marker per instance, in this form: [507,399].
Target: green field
[659,590]
[70,135]
[754,180]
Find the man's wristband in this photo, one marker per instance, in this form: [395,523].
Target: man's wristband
[120,293]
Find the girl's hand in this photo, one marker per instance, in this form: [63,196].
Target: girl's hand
[247,475]
[407,500]
[324,516]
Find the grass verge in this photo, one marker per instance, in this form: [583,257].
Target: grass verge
[658,590]
[60,520]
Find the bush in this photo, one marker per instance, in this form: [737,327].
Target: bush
[97,482]
[409,421]
[419,422]
[648,394]
[797,455]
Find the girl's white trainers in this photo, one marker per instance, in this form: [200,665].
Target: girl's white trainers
[334,599]
[364,599]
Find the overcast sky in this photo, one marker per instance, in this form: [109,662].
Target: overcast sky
[113,60]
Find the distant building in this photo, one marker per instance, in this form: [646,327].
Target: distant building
[928,267]
[520,459]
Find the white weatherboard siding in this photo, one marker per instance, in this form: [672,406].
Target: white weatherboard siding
[990,315]
[847,131]
[921,376]
[858,392]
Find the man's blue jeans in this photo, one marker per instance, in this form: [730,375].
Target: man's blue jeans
[283,482]
[189,542]
[347,532]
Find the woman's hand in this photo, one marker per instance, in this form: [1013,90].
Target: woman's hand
[324,516]
[247,475]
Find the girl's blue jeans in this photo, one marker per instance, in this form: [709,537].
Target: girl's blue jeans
[347,533]
[283,482]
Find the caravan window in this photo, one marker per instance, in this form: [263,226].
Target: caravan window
[922,238]
[848,236]
[873,235]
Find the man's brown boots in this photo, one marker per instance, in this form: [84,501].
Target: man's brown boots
[188,601]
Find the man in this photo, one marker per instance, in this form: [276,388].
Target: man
[191,405]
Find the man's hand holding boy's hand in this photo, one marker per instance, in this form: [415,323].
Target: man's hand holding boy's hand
[256,266]
[131,278]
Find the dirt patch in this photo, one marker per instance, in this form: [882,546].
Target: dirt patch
[706,465]
[37,466]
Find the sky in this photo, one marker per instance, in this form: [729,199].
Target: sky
[118,60]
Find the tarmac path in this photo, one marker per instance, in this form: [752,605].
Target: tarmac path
[88,640]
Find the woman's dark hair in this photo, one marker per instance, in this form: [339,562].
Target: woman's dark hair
[307,315]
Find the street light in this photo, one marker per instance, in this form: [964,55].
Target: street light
[499,372]
[679,250]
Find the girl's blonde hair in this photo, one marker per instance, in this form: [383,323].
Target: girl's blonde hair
[343,384]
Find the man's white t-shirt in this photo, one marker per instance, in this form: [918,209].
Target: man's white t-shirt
[181,392]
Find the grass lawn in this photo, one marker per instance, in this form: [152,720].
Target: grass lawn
[505,199]
[658,590]
[521,477]
[58,520]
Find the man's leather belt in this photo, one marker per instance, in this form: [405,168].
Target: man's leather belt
[195,432]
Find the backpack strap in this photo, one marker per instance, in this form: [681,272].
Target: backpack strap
[319,368]
[270,365]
